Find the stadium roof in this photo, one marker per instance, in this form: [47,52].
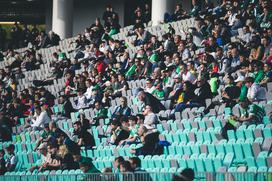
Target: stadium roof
[28,11]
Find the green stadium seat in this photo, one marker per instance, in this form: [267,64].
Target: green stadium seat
[266,120]
[267,132]
[199,165]
[239,156]
[191,164]
[211,148]
[231,135]
[160,128]
[240,134]
[232,169]
[220,148]
[250,161]
[187,149]
[209,165]
[174,126]
[261,159]
[176,138]
[183,137]
[228,158]
[252,169]
[229,146]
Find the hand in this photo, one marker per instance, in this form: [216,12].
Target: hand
[121,142]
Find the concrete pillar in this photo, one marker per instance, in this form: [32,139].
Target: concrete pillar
[159,8]
[62,19]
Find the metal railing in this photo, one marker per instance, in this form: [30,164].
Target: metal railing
[143,176]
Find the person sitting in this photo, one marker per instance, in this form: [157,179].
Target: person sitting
[186,175]
[78,158]
[150,117]
[40,119]
[133,129]
[117,161]
[66,106]
[85,123]
[5,127]
[118,133]
[158,92]
[250,114]
[45,156]
[2,163]
[63,139]
[231,92]
[139,173]
[81,100]
[149,86]
[87,167]
[84,138]
[185,98]
[52,163]
[149,99]
[12,160]
[150,140]
[66,159]
[45,136]
[123,109]
[55,132]
[126,169]
[255,91]
[101,112]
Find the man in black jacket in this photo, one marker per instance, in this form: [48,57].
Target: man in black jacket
[140,174]
[3,168]
[67,107]
[149,99]
[204,92]
[150,139]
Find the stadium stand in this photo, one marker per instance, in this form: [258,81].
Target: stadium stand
[190,97]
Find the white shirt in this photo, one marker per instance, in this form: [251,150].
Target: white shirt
[89,92]
[256,92]
[41,119]
[12,160]
[232,19]
[150,90]
[81,103]
[150,119]
[186,54]
[189,77]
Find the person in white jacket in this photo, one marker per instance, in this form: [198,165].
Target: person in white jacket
[39,119]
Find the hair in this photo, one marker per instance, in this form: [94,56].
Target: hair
[133,118]
[249,80]
[77,123]
[54,124]
[136,161]
[126,165]
[107,170]
[123,119]
[115,122]
[63,150]
[119,159]
[188,173]
[124,98]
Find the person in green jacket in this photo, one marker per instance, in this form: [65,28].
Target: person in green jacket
[101,113]
[85,163]
[158,92]
[88,167]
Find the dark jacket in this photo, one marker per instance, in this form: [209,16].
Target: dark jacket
[153,102]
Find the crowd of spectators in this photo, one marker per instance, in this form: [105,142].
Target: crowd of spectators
[26,37]
[237,71]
